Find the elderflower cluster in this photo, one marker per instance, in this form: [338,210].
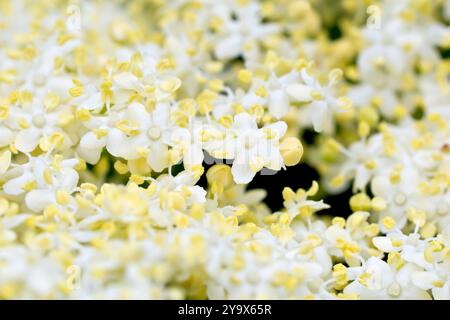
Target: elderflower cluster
[131,132]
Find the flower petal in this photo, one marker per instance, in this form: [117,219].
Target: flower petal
[5,161]
[28,139]
[383,243]
[278,103]
[38,200]
[158,156]
[299,92]
[244,121]
[6,136]
[424,279]
[242,173]
[119,145]
[14,186]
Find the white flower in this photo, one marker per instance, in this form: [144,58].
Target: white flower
[363,95]
[154,134]
[324,102]
[41,178]
[410,247]
[341,244]
[34,124]
[299,204]
[189,141]
[92,142]
[363,160]
[382,66]
[378,280]
[240,36]
[438,280]
[255,148]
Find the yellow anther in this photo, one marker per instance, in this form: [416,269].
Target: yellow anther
[388,222]
[285,218]
[54,141]
[175,201]
[214,66]
[400,111]
[261,91]
[418,217]
[397,243]
[120,167]
[62,197]
[29,186]
[197,211]
[288,194]
[338,221]
[226,121]
[360,202]
[316,95]
[371,230]
[237,108]
[90,187]
[221,174]
[314,239]
[395,175]
[182,221]
[245,76]
[431,249]
[364,278]
[340,276]
[291,150]
[312,191]
[355,220]
[204,106]
[429,230]
[395,259]
[438,283]
[337,181]
[306,212]
[363,129]
[369,115]
[76,91]
[216,85]
[83,114]
[137,179]
[306,247]
[128,128]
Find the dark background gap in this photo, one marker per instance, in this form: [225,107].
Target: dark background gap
[299,176]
